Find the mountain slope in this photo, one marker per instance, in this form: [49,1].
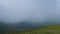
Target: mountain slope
[55,29]
[20,26]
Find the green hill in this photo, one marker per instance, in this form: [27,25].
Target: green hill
[55,29]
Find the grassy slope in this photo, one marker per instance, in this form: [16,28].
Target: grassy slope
[45,30]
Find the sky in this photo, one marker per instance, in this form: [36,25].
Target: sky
[29,10]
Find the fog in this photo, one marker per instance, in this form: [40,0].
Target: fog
[29,10]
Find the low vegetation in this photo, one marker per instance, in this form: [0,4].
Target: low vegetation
[45,30]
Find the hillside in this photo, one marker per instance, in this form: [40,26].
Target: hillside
[55,29]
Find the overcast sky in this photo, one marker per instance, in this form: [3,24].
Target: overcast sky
[25,10]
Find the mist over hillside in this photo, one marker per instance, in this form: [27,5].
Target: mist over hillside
[20,15]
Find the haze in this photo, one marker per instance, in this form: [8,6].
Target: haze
[29,10]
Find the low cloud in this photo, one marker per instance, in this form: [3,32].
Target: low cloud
[26,10]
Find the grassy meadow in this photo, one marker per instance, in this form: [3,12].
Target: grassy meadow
[55,29]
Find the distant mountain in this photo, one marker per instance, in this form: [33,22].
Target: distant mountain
[25,25]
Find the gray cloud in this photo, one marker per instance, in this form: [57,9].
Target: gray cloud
[34,10]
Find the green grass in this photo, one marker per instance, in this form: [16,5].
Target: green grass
[55,29]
